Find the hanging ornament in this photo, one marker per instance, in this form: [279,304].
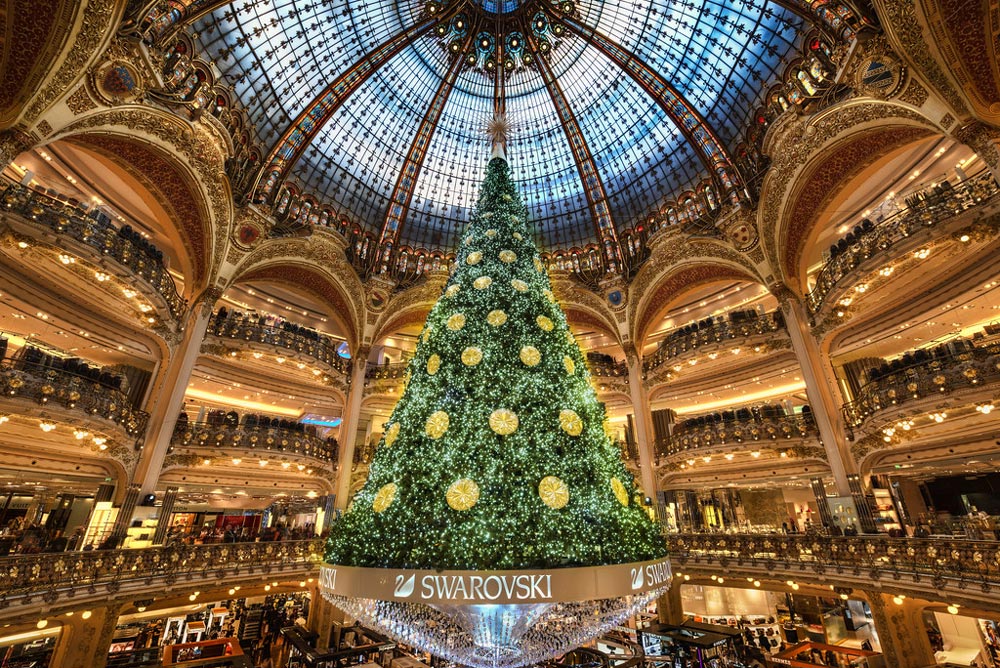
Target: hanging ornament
[544,323]
[456,322]
[433,364]
[569,365]
[391,434]
[462,494]
[507,198]
[473,258]
[553,492]
[472,356]
[569,337]
[519,285]
[496,317]
[570,422]
[530,356]
[482,282]
[539,267]
[516,235]
[503,421]
[507,257]
[452,290]
[427,333]
[548,295]
[620,492]
[491,233]
[384,497]
[437,424]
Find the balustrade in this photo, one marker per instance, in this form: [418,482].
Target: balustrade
[46,385]
[393,371]
[942,560]
[94,229]
[77,574]
[931,377]
[259,438]
[316,345]
[878,239]
[736,427]
[694,336]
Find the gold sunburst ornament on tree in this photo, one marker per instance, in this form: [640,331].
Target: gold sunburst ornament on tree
[553,492]
[462,494]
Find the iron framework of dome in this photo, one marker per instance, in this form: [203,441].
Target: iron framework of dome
[378,108]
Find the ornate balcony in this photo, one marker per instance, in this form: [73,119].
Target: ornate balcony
[258,440]
[937,567]
[95,238]
[931,378]
[742,429]
[879,239]
[49,387]
[731,329]
[48,581]
[287,336]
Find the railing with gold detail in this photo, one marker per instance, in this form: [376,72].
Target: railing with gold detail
[259,440]
[733,429]
[95,230]
[291,337]
[720,330]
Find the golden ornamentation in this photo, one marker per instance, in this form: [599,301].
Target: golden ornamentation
[482,282]
[548,295]
[452,290]
[507,257]
[384,497]
[570,422]
[519,285]
[427,334]
[553,492]
[433,364]
[456,322]
[620,492]
[462,494]
[472,356]
[539,267]
[569,365]
[530,356]
[491,233]
[545,323]
[496,317]
[437,424]
[517,235]
[473,258]
[391,434]
[503,421]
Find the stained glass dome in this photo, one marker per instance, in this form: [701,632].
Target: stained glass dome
[616,106]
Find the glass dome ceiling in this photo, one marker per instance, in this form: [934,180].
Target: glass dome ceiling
[408,102]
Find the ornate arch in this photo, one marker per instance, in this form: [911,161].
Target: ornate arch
[813,159]
[183,168]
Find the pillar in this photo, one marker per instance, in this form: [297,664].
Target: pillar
[169,395]
[349,427]
[643,422]
[983,139]
[166,508]
[124,517]
[84,643]
[821,390]
[669,609]
[13,142]
[901,633]
[322,615]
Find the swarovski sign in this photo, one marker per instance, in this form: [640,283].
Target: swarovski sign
[501,587]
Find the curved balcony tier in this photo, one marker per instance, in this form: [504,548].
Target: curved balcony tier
[255,440]
[34,583]
[888,238]
[792,435]
[939,568]
[297,341]
[743,329]
[926,380]
[45,387]
[90,235]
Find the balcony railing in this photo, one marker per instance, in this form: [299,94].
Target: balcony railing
[393,371]
[319,347]
[607,368]
[83,575]
[260,439]
[54,387]
[930,378]
[936,561]
[733,428]
[96,231]
[680,341]
[938,208]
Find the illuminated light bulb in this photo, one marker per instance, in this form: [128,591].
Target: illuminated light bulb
[686,577]
[706,459]
[755,454]
[285,465]
[280,360]
[129,293]
[690,462]
[843,597]
[236,461]
[720,580]
[22,244]
[795,587]
[302,584]
[145,308]
[736,351]
[42,623]
[756,583]
[80,434]
[3,419]
[232,591]
[715,577]
[46,426]
[263,462]
[267,587]
[301,365]
[206,462]
[301,467]
[141,608]
[789,582]
[257,356]
[730,456]
[898,600]
[86,614]
[953,609]
[964,238]
[192,597]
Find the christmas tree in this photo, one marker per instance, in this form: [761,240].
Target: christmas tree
[496,457]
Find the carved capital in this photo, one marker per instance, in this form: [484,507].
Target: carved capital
[14,142]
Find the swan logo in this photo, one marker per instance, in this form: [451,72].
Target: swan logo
[638,578]
[404,586]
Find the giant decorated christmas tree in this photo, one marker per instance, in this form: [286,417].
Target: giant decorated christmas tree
[495,460]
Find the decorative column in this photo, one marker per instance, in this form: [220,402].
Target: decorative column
[349,426]
[124,516]
[643,421]
[669,609]
[84,643]
[820,388]
[985,141]
[901,633]
[168,397]
[13,142]
[166,508]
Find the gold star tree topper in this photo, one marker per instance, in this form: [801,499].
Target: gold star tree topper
[498,128]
